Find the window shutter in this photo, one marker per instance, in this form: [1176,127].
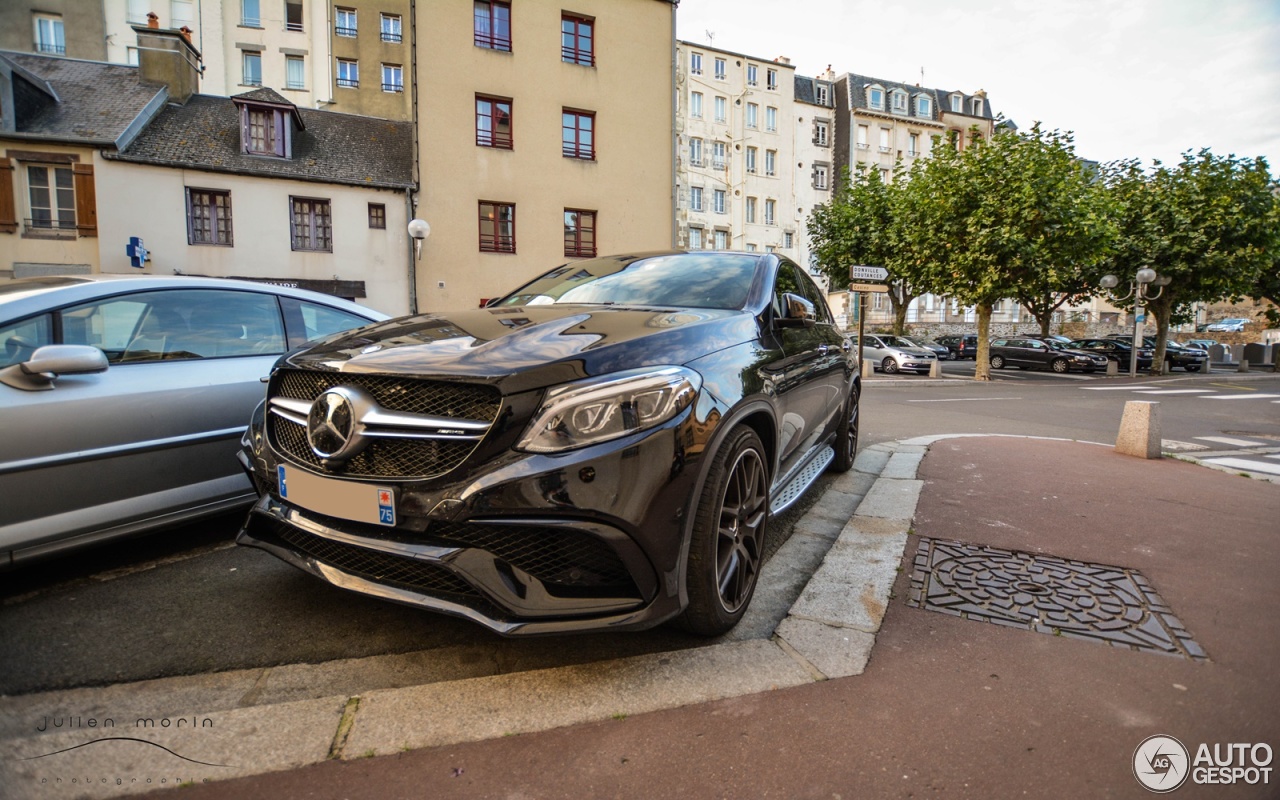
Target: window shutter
[8,209]
[86,202]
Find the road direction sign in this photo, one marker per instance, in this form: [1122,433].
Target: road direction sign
[868,273]
[868,287]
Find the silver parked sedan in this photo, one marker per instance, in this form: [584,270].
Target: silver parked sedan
[123,398]
[892,354]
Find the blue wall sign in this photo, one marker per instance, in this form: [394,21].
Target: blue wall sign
[138,255]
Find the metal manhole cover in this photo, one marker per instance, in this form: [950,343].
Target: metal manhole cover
[1101,603]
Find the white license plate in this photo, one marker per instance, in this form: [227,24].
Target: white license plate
[358,502]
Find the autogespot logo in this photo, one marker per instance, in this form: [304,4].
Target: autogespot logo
[1161,763]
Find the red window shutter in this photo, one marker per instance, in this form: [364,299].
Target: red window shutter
[86,202]
[8,209]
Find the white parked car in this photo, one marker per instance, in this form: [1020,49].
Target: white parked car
[1229,325]
[892,354]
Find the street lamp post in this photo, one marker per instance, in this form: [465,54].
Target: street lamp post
[419,230]
[1140,291]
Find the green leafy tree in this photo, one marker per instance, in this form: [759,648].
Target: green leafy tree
[861,225]
[1017,216]
[1206,225]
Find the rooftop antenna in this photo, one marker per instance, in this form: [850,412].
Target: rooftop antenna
[711,38]
[921,76]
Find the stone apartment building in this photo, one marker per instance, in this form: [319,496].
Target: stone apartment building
[738,141]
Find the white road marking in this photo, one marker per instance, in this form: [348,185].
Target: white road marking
[1225,440]
[1238,396]
[1171,391]
[1275,455]
[1244,464]
[1130,388]
[963,399]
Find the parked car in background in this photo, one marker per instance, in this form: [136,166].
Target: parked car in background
[961,345]
[1175,355]
[1117,350]
[1229,325]
[1027,353]
[1200,344]
[123,398]
[892,354]
[602,449]
[1057,338]
[941,351]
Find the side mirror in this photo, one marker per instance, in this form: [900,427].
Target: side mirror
[797,312]
[47,363]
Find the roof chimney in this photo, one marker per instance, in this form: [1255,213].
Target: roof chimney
[168,57]
[782,60]
[153,21]
[186,33]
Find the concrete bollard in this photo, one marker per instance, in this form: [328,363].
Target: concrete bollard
[1140,430]
[1244,365]
[868,369]
[935,369]
[1113,368]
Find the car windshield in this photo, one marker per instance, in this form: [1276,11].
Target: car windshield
[1054,344]
[898,341]
[686,280]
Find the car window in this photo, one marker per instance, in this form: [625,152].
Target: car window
[686,280]
[177,324]
[20,339]
[1001,343]
[318,321]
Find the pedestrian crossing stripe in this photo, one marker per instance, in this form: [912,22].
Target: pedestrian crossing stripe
[1171,391]
[1226,440]
[1239,396]
[1174,446]
[1245,465]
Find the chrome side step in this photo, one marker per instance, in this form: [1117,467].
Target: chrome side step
[786,496]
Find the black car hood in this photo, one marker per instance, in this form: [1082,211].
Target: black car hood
[529,347]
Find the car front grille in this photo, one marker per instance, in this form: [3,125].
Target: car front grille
[386,457]
[379,567]
[566,558]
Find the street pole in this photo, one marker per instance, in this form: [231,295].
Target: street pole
[1137,336]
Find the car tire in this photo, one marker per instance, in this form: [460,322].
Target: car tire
[846,443]
[726,548]
[997,362]
[1060,365]
[889,366]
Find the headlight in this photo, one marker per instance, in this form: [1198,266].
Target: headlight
[597,410]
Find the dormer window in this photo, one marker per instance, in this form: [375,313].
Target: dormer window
[957,103]
[900,101]
[875,97]
[821,94]
[977,106]
[266,128]
[924,108]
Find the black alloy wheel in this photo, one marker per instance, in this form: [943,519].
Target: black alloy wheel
[1060,365]
[889,366]
[997,362]
[846,443]
[727,546]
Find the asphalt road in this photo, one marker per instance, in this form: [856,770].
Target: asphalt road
[187,601]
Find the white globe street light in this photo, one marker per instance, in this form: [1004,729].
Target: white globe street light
[1139,290]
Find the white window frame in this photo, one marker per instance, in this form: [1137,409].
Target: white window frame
[301,69]
[772,78]
[342,15]
[50,34]
[820,133]
[957,104]
[721,69]
[770,162]
[391,28]
[695,238]
[722,108]
[695,63]
[722,240]
[864,137]
[246,58]
[770,212]
[753,75]
[899,100]
[695,152]
[872,92]
[886,140]
[719,155]
[695,105]
[924,107]
[771,119]
[695,198]
[752,155]
[348,75]
[396,73]
[753,115]
[821,176]
[719,201]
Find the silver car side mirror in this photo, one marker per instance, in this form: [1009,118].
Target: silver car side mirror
[797,312]
[47,363]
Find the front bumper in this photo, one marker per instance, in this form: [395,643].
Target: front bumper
[525,544]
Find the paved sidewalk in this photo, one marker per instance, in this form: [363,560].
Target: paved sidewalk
[958,698]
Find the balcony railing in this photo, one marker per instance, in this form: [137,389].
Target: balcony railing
[344,31]
[393,87]
[50,228]
[295,27]
[349,83]
[250,22]
[50,47]
[394,38]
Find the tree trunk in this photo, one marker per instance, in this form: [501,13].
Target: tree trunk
[900,319]
[982,365]
[1045,321]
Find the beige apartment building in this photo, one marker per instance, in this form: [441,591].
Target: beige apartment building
[736,120]
[71,28]
[545,135]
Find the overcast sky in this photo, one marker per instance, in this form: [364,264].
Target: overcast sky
[1146,79]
